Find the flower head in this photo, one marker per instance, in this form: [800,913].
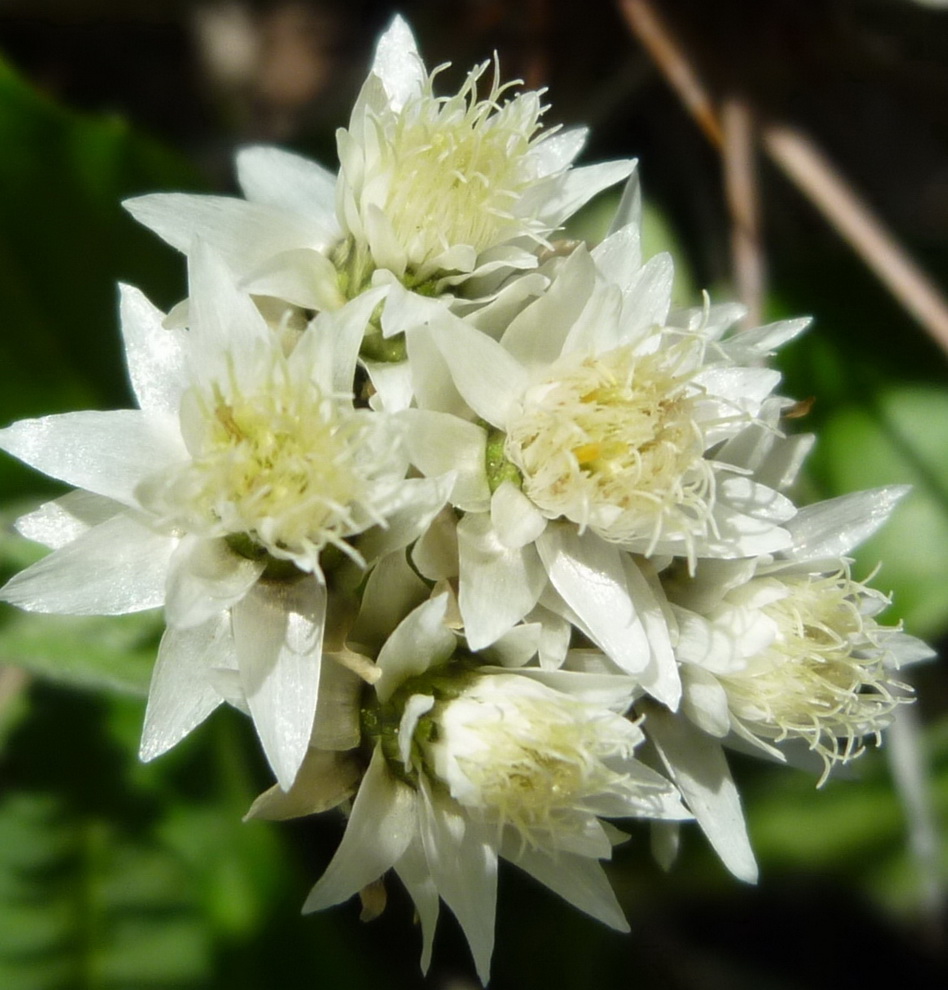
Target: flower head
[783,652]
[244,478]
[432,190]
[474,762]
[823,678]
[441,175]
[613,442]
[591,445]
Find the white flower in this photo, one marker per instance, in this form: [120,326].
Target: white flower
[244,479]
[602,418]
[432,189]
[472,763]
[436,185]
[780,650]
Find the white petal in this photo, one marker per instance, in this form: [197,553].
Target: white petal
[715,646]
[338,704]
[598,327]
[574,189]
[386,249]
[206,577]
[416,706]
[182,693]
[108,453]
[629,211]
[746,516]
[517,647]
[381,825]
[278,629]
[468,352]
[223,320]
[647,297]
[56,523]
[117,567]
[409,513]
[498,585]
[432,383]
[392,590]
[589,574]
[612,691]
[420,641]
[515,519]
[743,388]
[660,678]
[905,649]
[557,151]
[398,64]
[748,346]
[619,256]
[246,234]
[303,276]
[834,527]
[392,384]
[438,443]
[463,863]
[412,869]
[697,765]
[705,701]
[577,879]
[331,343]
[154,354]
[325,780]
[535,338]
[278,178]
[435,553]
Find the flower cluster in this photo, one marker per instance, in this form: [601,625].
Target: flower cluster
[491,543]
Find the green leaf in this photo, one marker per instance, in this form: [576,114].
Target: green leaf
[85,900]
[64,242]
[116,874]
[853,829]
[901,439]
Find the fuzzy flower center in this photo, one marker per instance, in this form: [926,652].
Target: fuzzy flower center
[823,679]
[452,168]
[517,753]
[611,442]
[285,466]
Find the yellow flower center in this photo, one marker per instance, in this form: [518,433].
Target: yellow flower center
[454,167]
[522,755]
[611,442]
[284,465]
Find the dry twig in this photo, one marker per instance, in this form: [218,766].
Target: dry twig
[808,168]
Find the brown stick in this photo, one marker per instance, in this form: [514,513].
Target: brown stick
[803,161]
[809,169]
[743,199]
[654,34]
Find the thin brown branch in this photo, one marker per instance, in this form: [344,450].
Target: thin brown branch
[808,168]
[670,56]
[738,155]
[821,182]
